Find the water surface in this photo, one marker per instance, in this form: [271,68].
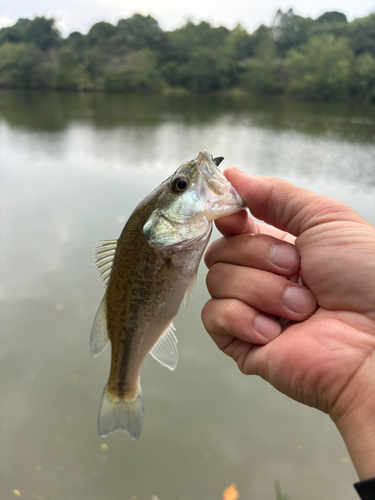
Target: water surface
[73,167]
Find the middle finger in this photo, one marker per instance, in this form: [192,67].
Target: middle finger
[255,250]
[261,290]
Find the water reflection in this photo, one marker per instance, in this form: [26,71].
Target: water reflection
[206,426]
[53,111]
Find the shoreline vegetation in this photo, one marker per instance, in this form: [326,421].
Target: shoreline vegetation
[326,59]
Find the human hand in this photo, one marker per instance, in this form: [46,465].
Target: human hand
[325,355]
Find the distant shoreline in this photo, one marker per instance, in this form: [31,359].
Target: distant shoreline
[233,93]
[324,60]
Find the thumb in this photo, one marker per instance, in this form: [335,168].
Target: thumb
[286,206]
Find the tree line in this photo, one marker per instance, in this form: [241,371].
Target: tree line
[327,58]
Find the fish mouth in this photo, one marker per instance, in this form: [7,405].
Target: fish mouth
[212,175]
[221,197]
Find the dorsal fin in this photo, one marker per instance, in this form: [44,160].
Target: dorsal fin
[104,258]
[165,350]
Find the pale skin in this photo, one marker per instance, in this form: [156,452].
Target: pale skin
[314,265]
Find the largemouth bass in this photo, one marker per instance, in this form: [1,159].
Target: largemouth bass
[148,271]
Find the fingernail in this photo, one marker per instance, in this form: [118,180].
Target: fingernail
[300,300]
[284,256]
[237,171]
[267,327]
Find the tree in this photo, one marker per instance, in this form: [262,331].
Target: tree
[42,33]
[207,71]
[239,44]
[260,74]
[332,17]
[320,69]
[184,41]
[100,32]
[262,36]
[361,35]
[23,66]
[290,30]
[140,32]
[363,87]
[137,73]
[15,33]
[327,59]
[95,61]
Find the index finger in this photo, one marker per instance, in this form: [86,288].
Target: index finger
[242,223]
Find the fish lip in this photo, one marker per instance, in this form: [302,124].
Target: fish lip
[211,173]
[217,182]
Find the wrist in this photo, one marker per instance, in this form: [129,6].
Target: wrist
[357,427]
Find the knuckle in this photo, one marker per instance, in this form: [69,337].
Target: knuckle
[230,311]
[215,275]
[246,242]
[207,312]
[211,252]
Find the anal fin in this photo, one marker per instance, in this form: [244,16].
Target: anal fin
[165,350]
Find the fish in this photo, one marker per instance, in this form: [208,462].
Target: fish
[148,272]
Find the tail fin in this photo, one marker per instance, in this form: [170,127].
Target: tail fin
[120,414]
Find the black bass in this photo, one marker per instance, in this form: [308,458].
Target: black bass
[148,271]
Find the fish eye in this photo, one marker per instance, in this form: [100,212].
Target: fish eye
[180,184]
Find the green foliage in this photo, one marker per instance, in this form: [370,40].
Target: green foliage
[23,66]
[260,74]
[140,32]
[136,73]
[261,36]
[320,69]
[290,30]
[279,494]
[100,32]
[95,59]
[239,44]
[207,71]
[363,87]
[332,17]
[15,33]
[362,35]
[184,41]
[74,77]
[260,77]
[42,33]
[324,59]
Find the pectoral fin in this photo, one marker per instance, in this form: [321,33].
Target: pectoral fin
[165,350]
[99,335]
[190,288]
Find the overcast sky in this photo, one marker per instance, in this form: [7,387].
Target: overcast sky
[80,15]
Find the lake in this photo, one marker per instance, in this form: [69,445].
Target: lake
[73,167]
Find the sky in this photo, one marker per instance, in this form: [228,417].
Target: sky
[80,15]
